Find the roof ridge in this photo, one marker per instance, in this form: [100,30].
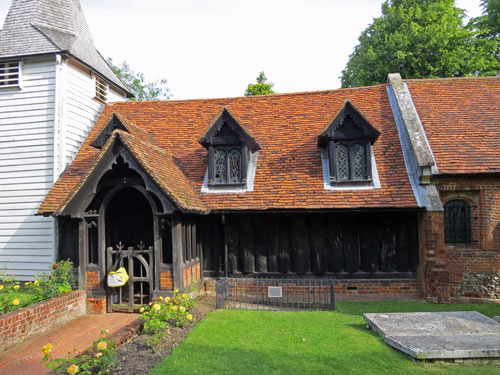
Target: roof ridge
[253,97]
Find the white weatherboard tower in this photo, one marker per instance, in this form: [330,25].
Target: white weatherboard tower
[53,86]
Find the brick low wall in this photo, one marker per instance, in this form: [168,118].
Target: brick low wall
[24,323]
[361,289]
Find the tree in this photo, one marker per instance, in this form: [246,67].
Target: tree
[490,20]
[262,87]
[419,39]
[137,84]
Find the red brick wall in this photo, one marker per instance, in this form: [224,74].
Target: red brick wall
[445,267]
[191,274]
[92,280]
[96,305]
[24,323]
[361,288]
[166,280]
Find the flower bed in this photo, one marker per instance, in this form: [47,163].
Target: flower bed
[18,325]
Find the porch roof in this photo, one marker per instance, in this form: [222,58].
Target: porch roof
[289,166]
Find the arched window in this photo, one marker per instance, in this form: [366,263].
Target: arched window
[457,222]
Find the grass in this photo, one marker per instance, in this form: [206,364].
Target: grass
[289,343]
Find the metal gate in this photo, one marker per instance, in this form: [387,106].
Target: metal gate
[139,265]
[275,294]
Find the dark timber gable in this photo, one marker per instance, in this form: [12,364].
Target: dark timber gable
[228,146]
[348,140]
[113,124]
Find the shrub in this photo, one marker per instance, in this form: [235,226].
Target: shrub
[158,315]
[98,360]
[14,295]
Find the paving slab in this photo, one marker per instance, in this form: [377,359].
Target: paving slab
[439,335]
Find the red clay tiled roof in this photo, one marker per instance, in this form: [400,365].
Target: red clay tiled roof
[286,126]
[461,117]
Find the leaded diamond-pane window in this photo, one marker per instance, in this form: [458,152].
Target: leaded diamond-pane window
[341,154]
[457,222]
[350,161]
[220,166]
[234,166]
[358,162]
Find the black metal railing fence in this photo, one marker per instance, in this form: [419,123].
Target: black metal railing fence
[275,294]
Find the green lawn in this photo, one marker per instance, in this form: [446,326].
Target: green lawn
[260,342]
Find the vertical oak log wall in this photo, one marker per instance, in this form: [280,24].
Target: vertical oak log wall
[339,244]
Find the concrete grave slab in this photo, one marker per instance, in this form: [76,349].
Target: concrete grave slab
[439,335]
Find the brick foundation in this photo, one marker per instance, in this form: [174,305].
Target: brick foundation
[191,274]
[93,280]
[29,321]
[166,280]
[397,288]
[96,305]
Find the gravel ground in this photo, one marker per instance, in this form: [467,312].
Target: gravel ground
[136,358]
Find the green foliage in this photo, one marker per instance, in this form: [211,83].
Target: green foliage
[262,87]
[137,84]
[490,20]
[420,39]
[97,360]
[15,295]
[295,343]
[166,311]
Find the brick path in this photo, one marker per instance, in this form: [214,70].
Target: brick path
[77,334]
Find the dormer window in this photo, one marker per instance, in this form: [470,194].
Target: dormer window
[348,139]
[229,151]
[227,165]
[9,74]
[101,90]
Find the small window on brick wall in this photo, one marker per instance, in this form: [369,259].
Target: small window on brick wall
[9,74]
[101,90]
[457,222]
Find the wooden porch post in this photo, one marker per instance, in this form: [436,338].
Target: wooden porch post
[177,252]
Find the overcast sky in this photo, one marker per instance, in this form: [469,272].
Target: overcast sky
[214,48]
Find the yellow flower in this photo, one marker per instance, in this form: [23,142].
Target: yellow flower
[27,283]
[189,317]
[16,287]
[15,302]
[36,282]
[184,296]
[47,348]
[1,287]
[156,307]
[174,308]
[150,303]
[102,345]
[182,309]
[176,291]
[141,310]
[160,298]
[98,355]
[73,369]
[167,299]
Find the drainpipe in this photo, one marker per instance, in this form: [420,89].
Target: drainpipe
[223,219]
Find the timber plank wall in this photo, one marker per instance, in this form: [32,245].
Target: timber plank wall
[340,245]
